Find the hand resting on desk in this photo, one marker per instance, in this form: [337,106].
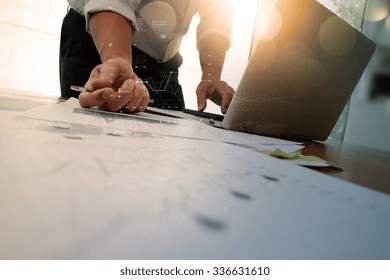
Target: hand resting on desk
[217,91]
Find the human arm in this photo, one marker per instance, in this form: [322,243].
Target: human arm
[114,82]
[212,51]
[213,41]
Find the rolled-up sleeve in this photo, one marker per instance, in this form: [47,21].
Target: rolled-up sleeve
[216,18]
[125,8]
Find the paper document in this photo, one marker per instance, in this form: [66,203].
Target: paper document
[69,112]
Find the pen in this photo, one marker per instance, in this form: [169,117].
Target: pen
[80,88]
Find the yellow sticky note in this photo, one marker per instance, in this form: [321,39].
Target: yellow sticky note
[298,156]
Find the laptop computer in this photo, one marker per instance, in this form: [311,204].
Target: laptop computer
[301,73]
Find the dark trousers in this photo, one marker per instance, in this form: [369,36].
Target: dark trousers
[78,56]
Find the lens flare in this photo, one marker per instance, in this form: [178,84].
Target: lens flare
[335,39]
[269,21]
[377,10]
[264,61]
[274,24]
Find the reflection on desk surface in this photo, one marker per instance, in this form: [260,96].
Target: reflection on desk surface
[75,191]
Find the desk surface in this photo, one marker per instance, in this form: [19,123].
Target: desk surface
[364,166]
[70,191]
[361,165]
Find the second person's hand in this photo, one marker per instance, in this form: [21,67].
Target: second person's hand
[217,91]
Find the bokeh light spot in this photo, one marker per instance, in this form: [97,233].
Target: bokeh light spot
[377,10]
[336,39]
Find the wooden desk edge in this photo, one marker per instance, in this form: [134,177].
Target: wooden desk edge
[361,165]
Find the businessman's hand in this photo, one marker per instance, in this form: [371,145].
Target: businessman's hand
[217,91]
[115,87]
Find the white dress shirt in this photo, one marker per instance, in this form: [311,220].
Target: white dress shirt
[159,26]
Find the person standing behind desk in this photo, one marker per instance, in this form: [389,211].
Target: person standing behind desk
[111,46]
